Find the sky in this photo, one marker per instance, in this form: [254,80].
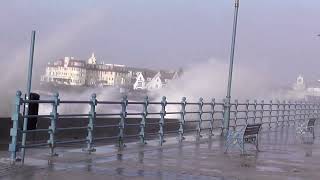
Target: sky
[277,38]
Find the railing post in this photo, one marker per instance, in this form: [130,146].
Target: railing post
[255,102]
[123,116]
[143,120]
[270,113]
[317,110]
[91,124]
[52,128]
[13,146]
[312,110]
[294,112]
[199,128]
[247,112]
[300,112]
[212,104]
[283,112]
[278,112]
[236,104]
[308,110]
[182,119]
[262,111]
[304,111]
[162,117]
[289,111]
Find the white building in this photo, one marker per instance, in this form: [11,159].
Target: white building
[154,80]
[69,71]
[306,90]
[142,79]
[300,84]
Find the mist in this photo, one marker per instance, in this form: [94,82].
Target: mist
[276,42]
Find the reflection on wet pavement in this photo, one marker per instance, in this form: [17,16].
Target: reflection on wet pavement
[282,156]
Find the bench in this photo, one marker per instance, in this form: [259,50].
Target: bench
[307,127]
[248,134]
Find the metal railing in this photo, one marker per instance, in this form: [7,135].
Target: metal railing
[198,117]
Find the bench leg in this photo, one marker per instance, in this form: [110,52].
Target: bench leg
[241,144]
[257,143]
[313,133]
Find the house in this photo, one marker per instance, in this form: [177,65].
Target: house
[151,80]
[160,80]
[143,78]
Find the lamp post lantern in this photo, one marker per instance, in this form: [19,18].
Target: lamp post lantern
[233,43]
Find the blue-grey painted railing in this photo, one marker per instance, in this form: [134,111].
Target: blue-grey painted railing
[206,116]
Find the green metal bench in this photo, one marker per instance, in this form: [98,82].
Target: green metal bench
[307,127]
[249,134]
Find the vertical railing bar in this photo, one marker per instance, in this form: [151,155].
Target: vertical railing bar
[247,111]
[212,115]
[182,119]
[123,116]
[143,120]
[52,127]
[13,146]
[199,125]
[255,102]
[162,119]
[236,104]
[283,113]
[278,112]
[262,111]
[91,124]
[270,113]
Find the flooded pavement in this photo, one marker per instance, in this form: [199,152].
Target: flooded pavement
[283,156]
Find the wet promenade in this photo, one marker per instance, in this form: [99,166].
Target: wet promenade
[283,156]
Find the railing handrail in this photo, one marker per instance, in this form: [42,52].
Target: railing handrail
[205,113]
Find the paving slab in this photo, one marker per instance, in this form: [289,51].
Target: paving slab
[283,156]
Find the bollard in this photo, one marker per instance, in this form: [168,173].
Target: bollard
[199,126]
[123,115]
[182,119]
[92,119]
[52,127]
[162,117]
[143,120]
[13,146]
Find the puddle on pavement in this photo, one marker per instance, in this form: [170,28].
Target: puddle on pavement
[269,169]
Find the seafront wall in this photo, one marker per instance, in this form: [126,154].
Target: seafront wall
[132,128]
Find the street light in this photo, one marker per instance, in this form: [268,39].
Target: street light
[233,43]
[29,83]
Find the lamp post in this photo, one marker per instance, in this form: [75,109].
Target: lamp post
[233,43]
[29,83]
